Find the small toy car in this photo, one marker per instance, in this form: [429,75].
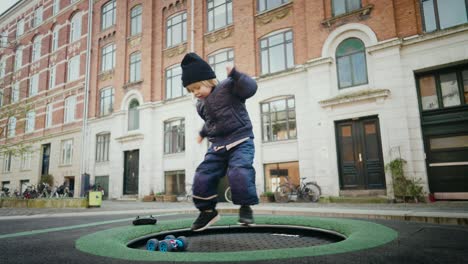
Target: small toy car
[170,243]
[147,220]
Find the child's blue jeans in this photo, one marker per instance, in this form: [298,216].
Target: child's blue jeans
[237,162]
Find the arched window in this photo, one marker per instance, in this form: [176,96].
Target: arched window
[277,52]
[351,63]
[174,136]
[135,20]
[135,66]
[75,27]
[55,39]
[18,58]
[2,67]
[108,13]
[133,115]
[219,60]
[176,30]
[11,126]
[36,49]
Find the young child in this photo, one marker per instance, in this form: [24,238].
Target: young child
[228,127]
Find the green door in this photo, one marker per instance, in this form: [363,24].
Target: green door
[103,181]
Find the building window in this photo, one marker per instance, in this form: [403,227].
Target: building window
[33,85]
[38,16]
[1,97]
[15,91]
[439,14]
[351,63]
[135,20]
[74,68]
[176,30]
[345,6]
[52,71]
[49,115]
[56,7]
[174,86]
[55,39]
[133,115]
[20,28]
[174,182]
[276,173]
[108,14]
[2,67]
[219,14]
[279,119]
[30,121]
[276,52]
[7,159]
[263,5]
[102,147]
[174,136]
[18,58]
[26,161]
[443,89]
[4,40]
[36,49]
[107,101]
[70,107]
[11,126]
[135,66]
[219,61]
[108,57]
[67,152]
[75,28]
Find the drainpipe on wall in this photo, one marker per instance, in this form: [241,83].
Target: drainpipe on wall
[84,129]
[192,25]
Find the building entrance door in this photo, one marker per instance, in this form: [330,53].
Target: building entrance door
[360,154]
[45,159]
[131,165]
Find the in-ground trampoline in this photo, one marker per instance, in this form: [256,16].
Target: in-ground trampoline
[274,237]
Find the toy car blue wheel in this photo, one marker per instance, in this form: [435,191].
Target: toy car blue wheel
[152,244]
[169,237]
[165,246]
[182,243]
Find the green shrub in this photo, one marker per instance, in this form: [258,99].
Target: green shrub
[48,178]
[403,187]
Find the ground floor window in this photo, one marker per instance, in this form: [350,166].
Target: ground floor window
[174,182]
[279,173]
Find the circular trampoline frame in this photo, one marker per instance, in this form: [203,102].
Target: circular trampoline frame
[359,235]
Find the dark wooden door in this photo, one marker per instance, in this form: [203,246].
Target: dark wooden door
[360,154]
[45,159]
[131,166]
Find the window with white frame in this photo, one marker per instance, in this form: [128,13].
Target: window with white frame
[351,63]
[219,13]
[38,16]
[174,136]
[18,58]
[2,67]
[55,39]
[11,126]
[135,20]
[108,57]
[264,5]
[4,40]
[174,182]
[75,28]
[7,160]
[26,161]
[33,85]
[107,101]
[102,147]
[133,115]
[176,30]
[66,152]
[15,92]
[56,7]
[279,119]
[441,14]
[220,60]
[49,115]
[30,121]
[20,28]
[277,52]
[52,72]
[74,68]
[135,66]
[345,6]
[108,13]
[70,108]
[174,87]
[36,49]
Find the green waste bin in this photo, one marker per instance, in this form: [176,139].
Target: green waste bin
[95,199]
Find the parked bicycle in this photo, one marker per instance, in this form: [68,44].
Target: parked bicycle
[228,194]
[5,192]
[308,191]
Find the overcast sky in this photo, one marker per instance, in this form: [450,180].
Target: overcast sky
[5,4]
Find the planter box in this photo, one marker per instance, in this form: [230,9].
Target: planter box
[148,198]
[170,198]
[267,199]
[45,203]
[159,198]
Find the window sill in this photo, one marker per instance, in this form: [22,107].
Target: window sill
[65,165]
[131,136]
[362,13]
[175,50]
[132,84]
[175,154]
[282,73]
[280,142]
[376,94]
[219,34]
[276,13]
[106,75]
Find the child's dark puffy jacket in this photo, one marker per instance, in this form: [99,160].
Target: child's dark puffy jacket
[224,111]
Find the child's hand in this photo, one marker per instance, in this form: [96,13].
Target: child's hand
[199,139]
[229,69]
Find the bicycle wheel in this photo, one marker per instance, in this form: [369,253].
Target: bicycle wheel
[282,194]
[311,192]
[228,195]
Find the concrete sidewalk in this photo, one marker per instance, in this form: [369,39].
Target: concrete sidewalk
[454,213]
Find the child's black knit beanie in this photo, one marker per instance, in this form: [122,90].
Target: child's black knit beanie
[195,69]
